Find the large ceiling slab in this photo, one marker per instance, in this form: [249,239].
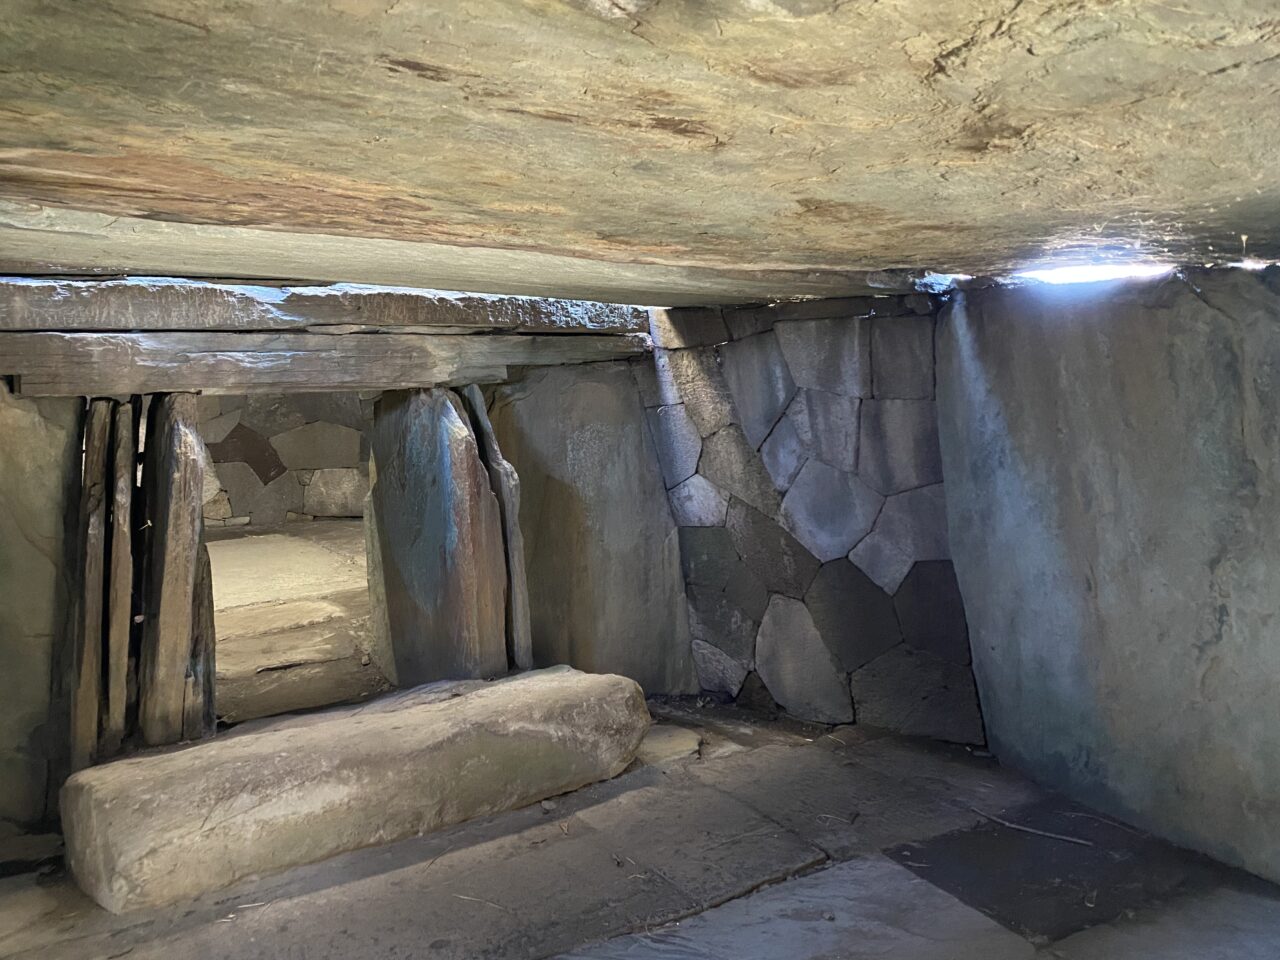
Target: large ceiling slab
[649,151]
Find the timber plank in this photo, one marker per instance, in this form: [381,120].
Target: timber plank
[70,364]
[86,698]
[172,476]
[163,303]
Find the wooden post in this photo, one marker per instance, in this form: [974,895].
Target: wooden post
[172,479]
[87,687]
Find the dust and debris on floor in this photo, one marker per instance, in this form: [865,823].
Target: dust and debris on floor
[733,836]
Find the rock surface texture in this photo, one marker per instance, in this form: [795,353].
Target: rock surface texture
[1112,491]
[161,828]
[813,532]
[602,552]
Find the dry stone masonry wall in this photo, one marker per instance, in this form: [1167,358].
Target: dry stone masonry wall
[273,459]
[799,448]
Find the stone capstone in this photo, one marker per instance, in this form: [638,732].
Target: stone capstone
[796,666]
[831,354]
[829,510]
[759,382]
[160,828]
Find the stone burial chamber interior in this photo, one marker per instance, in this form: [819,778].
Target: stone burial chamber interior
[585,479]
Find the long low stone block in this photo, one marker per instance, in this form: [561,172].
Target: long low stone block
[160,828]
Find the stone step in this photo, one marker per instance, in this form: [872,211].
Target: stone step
[164,827]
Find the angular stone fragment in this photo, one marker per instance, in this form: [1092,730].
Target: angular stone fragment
[699,383]
[602,552]
[219,508]
[832,355]
[440,531]
[215,429]
[920,695]
[265,505]
[829,510]
[161,828]
[698,503]
[678,441]
[717,671]
[715,619]
[759,382]
[855,618]
[799,670]
[709,560]
[931,611]
[780,561]
[338,492]
[748,321]
[729,462]
[319,444]
[687,327]
[828,424]
[783,454]
[898,445]
[881,560]
[902,358]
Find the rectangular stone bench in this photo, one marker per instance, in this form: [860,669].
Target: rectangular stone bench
[164,827]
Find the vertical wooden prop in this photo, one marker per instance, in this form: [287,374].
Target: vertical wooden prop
[171,486]
[87,690]
[119,579]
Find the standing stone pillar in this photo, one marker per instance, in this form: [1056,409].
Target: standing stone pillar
[440,556]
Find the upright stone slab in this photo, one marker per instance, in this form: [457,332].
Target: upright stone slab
[172,481]
[119,596]
[439,529]
[160,828]
[759,382]
[602,553]
[39,487]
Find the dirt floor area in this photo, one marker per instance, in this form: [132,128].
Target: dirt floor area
[732,837]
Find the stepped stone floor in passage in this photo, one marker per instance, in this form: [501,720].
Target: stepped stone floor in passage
[732,837]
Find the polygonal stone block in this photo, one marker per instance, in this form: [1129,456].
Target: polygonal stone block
[759,382]
[783,454]
[698,383]
[829,510]
[882,561]
[729,462]
[678,441]
[920,695]
[698,503]
[709,560]
[902,358]
[898,445]
[780,561]
[338,492]
[319,444]
[717,620]
[854,617]
[829,421]
[831,355]
[717,671]
[931,611]
[799,670]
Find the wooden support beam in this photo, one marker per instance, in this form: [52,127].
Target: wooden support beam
[162,303]
[115,364]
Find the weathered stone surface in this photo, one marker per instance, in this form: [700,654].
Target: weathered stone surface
[601,550]
[783,454]
[780,560]
[932,613]
[698,503]
[755,696]
[902,358]
[748,321]
[829,510]
[687,327]
[335,493]
[899,445]
[729,462]
[708,558]
[667,743]
[883,561]
[831,355]
[918,694]
[912,526]
[1111,491]
[212,486]
[799,670]
[313,446]
[717,671]
[759,382]
[216,428]
[678,441]
[699,383]
[714,618]
[219,508]
[829,424]
[443,564]
[245,445]
[157,829]
[264,505]
[855,618]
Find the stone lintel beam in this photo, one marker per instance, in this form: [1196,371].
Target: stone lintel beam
[165,303]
